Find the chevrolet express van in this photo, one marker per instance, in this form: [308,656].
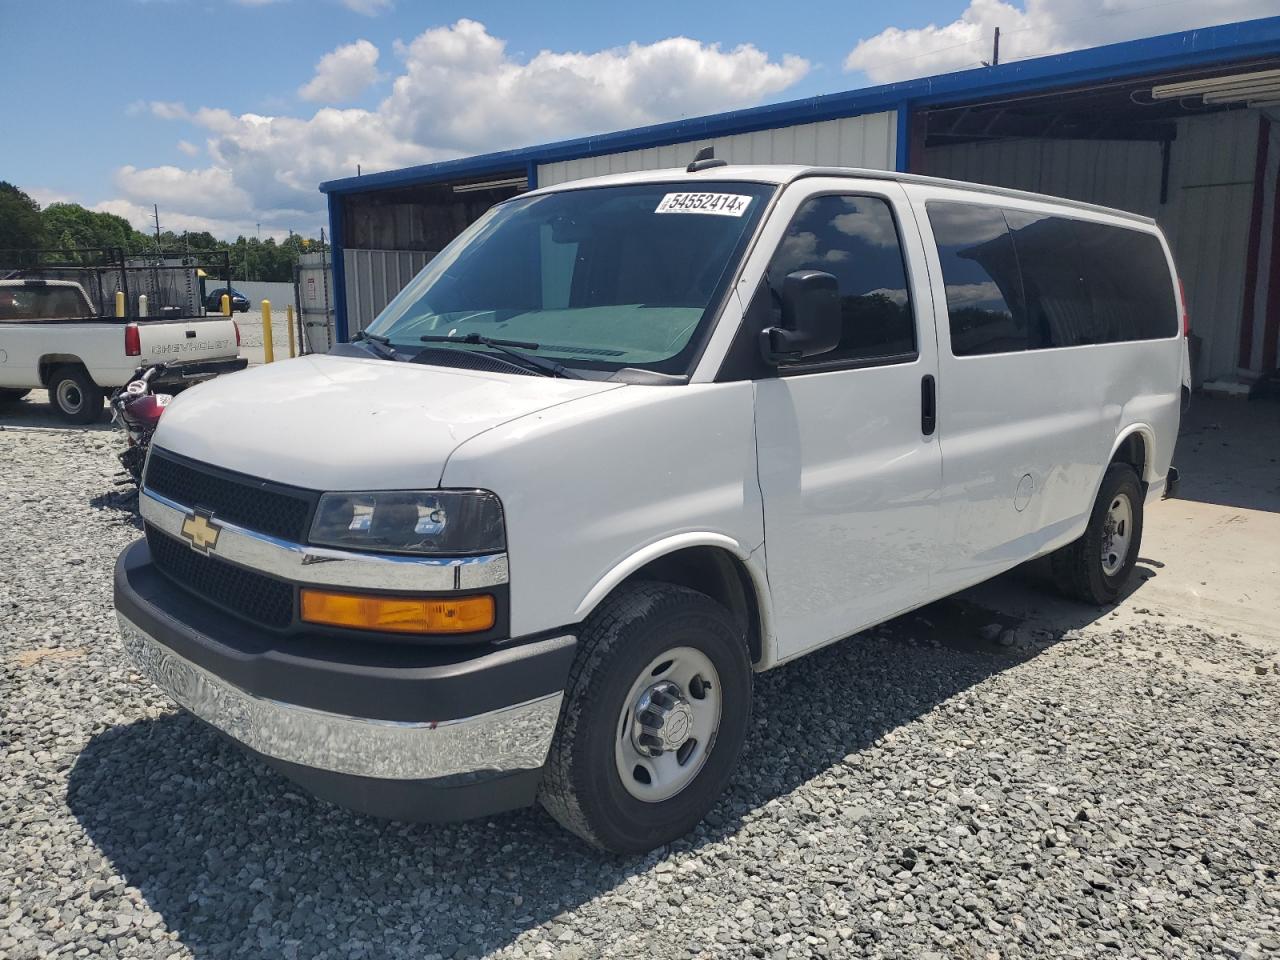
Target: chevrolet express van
[627,441]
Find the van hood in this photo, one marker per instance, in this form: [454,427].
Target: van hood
[347,423]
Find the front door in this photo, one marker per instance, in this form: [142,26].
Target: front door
[850,470]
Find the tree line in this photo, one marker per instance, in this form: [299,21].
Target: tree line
[25,226]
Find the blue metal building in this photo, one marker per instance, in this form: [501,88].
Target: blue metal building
[1183,127]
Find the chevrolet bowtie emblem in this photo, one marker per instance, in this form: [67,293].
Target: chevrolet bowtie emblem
[200,531]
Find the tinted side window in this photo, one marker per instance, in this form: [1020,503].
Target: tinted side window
[980,273]
[856,240]
[1129,284]
[1092,282]
[1059,307]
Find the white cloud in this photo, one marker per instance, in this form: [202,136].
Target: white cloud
[460,89]
[343,74]
[370,8]
[187,147]
[47,195]
[211,191]
[1036,28]
[168,109]
[458,92]
[140,215]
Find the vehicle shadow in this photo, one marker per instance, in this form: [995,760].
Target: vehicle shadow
[123,500]
[237,859]
[34,410]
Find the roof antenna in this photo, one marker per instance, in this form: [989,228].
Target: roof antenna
[705,159]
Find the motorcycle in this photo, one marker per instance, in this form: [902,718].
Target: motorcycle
[137,408]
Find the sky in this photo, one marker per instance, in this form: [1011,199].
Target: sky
[229,113]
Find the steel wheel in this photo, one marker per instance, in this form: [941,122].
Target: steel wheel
[1117,533]
[668,724]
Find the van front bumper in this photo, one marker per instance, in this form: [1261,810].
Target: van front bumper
[398,731]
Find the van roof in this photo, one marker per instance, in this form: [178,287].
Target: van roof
[789,173]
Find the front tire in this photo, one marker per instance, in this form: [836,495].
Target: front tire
[654,717]
[74,395]
[1095,568]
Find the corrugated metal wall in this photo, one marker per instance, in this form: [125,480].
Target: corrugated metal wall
[1206,216]
[1117,173]
[866,141]
[1207,219]
[374,277]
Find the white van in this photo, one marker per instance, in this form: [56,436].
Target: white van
[626,441]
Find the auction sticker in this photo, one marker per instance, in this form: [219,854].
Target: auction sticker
[720,204]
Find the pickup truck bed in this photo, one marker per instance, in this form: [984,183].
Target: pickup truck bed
[50,338]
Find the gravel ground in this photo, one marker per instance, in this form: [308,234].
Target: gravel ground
[939,788]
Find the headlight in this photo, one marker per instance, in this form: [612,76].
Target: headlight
[446,522]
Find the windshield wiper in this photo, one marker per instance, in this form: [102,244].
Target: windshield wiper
[510,348]
[381,344]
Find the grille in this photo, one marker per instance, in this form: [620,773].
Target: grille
[251,595]
[283,512]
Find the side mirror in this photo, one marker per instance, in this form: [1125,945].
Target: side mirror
[811,321]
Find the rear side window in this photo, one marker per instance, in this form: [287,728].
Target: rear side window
[980,272]
[1025,281]
[856,240]
[42,303]
[1091,282]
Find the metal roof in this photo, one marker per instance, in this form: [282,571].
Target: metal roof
[1232,42]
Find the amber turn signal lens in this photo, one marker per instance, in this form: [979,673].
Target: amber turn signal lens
[398,614]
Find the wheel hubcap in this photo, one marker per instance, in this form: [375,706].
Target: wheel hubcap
[668,724]
[69,396]
[1117,534]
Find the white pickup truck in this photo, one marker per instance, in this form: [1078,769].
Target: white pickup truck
[51,337]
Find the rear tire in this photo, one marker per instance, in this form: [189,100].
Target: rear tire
[1095,568]
[647,636]
[12,394]
[74,394]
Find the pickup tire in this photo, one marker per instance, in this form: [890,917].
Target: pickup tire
[74,394]
[646,640]
[1084,570]
[12,394]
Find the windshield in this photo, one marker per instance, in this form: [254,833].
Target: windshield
[605,277]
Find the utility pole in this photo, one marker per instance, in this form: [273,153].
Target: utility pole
[155,207]
[995,53]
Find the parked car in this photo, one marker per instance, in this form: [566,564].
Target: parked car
[51,337]
[239,302]
[627,441]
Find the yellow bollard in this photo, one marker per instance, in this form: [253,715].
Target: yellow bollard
[226,305]
[268,351]
[119,303]
[288,312]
